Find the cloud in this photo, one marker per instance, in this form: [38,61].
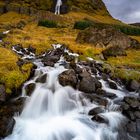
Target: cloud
[125,10]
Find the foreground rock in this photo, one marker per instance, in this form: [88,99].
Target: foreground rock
[7,112]
[131,109]
[68,78]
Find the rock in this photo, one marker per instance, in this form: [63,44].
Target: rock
[24,10]
[31,49]
[100,119]
[114,51]
[87,85]
[13,7]
[7,111]
[131,126]
[132,85]
[107,36]
[96,111]
[96,98]
[30,88]
[41,79]
[50,60]
[138,125]
[112,85]
[68,78]
[2,93]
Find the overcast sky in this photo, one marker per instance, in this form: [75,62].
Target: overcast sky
[125,10]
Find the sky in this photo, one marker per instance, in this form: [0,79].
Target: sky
[125,10]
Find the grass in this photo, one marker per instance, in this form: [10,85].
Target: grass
[10,74]
[41,38]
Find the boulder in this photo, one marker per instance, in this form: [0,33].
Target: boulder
[87,85]
[114,51]
[95,111]
[41,79]
[112,85]
[107,36]
[7,111]
[30,88]
[132,85]
[68,78]
[100,119]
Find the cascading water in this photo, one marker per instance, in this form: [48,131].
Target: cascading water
[57,7]
[54,112]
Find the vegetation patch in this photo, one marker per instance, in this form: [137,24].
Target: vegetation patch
[82,25]
[47,23]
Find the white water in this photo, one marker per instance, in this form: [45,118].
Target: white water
[57,7]
[54,112]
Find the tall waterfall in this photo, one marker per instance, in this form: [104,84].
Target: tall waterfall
[57,7]
[54,112]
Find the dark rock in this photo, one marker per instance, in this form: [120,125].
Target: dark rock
[50,60]
[131,127]
[96,98]
[110,95]
[70,58]
[94,70]
[132,85]
[31,49]
[133,102]
[100,119]
[68,78]
[42,79]
[96,111]
[2,93]
[87,85]
[30,88]
[114,51]
[2,8]
[100,91]
[138,125]
[7,111]
[112,85]
[137,114]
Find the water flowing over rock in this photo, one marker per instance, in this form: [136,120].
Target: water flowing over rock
[56,110]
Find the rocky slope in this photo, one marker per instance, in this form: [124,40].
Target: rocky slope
[30,7]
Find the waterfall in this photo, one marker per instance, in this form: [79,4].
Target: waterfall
[54,112]
[57,7]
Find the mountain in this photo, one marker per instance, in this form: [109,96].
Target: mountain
[27,6]
[135,24]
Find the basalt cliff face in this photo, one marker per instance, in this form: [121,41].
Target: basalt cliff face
[31,7]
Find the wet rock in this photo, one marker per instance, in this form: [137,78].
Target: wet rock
[31,49]
[7,111]
[112,85]
[100,119]
[96,98]
[132,85]
[50,60]
[110,95]
[100,91]
[30,88]
[87,85]
[2,93]
[68,78]
[131,126]
[138,125]
[96,111]
[41,79]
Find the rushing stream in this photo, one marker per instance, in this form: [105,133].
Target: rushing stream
[54,112]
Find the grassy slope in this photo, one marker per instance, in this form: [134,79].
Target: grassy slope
[41,38]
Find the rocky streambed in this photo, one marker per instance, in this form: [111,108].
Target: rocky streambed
[81,92]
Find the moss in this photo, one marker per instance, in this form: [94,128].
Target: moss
[10,74]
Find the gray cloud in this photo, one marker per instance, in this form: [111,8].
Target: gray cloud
[125,10]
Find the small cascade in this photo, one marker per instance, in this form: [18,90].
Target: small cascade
[57,7]
[56,112]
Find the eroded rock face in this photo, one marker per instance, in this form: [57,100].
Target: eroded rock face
[107,36]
